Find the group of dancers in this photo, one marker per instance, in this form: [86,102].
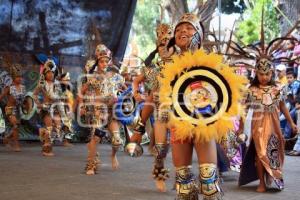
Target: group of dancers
[193,96]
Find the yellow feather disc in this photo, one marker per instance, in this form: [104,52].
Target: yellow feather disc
[203,95]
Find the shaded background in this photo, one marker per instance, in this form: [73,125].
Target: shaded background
[68,29]
[65,27]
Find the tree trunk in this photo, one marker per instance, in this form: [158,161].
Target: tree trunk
[205,12]
[175,9]
[291,9]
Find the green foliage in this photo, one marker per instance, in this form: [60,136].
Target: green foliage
[144,25]
[249,29]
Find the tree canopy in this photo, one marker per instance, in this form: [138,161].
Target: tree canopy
[144,23]
[249,28]
[148,14]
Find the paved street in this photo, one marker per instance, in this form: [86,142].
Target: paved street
[29,176]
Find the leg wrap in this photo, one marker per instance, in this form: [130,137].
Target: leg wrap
[47,148]
[209,182]
[163,116]
[116,140]
[91,166]
[161,150]
[159,172]
[186,187]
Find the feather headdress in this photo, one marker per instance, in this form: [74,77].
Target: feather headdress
[264,54]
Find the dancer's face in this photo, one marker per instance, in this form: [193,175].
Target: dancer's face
[290,78]
[183,35]
[48,120]
[264,78]
[18,80]
[103,63]
[49,76]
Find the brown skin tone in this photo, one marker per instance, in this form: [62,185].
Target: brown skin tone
[102,63]
[48,121]
[264,79]
[290,78]
[158,135]
[113,126]
[44,133]
[146,112]
[148,107]
[261,172]
[49,78]
[289,45]
[183,35]
[10,99]
[11,102]
[99,54]
[182,153]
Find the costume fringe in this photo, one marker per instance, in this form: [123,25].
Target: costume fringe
[183,127]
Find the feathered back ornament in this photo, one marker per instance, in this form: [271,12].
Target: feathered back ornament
[263,53]
[50,66]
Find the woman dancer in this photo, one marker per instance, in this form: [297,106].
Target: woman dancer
[95,102]
[15,94]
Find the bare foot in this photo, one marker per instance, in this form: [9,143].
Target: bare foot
[90,172]
[161,185]
[48,154]
[114,163]
[67,144]
[17,149]
[16,146]
[261,188]
[13,147]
